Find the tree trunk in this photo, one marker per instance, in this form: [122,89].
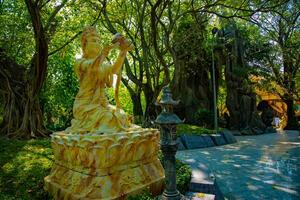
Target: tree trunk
[22,117]
[192,89]
[150,97]
[137,105]
[292,123]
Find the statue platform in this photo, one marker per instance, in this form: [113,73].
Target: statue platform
[107,166]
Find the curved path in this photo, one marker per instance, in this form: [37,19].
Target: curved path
[258,167]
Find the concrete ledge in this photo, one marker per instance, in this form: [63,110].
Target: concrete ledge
[228,137]
[199,196]
[187,141]
[208,140]
[193,141]
[218,139]
[203,181]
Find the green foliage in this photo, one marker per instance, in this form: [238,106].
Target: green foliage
[124,97]
[16,30]
[191,45]
[204,117]
[241,72]
[59,91]
[222,92]
[1,110]
[24,164]
[144,195]
[183,176]
[192,130]
[181,36]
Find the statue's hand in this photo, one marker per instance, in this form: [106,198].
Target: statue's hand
[106,49]
[126,45]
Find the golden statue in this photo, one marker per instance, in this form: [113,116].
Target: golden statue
[94,166]
[92,111]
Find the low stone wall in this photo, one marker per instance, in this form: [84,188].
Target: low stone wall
[187,141]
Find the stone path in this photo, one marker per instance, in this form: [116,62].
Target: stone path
[256,168]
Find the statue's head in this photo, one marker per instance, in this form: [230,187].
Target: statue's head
[90,42]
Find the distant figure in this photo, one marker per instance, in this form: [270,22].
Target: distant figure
[276,121]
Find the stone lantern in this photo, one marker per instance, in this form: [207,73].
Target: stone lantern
[167,122]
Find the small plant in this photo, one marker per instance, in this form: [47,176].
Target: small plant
[204,117]
[183,176]
[187,129]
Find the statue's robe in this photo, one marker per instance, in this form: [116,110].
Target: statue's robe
[92,111]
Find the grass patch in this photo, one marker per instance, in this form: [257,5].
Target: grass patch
[24,164]
[183,176]
[192,130]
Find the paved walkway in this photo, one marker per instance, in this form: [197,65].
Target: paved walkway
[256,168]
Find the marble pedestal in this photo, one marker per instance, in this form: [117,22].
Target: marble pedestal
[114,166]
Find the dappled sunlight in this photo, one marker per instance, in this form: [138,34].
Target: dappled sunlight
[24,164]
[232,148]
[236,165]
[190,160]
[205,152]
[290,143]
[241,156]
[253,187]
[199,174]
[255,178]
[287,190]
[202,166]
[246,170]
[227,161]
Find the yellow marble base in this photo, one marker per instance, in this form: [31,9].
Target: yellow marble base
[114,166]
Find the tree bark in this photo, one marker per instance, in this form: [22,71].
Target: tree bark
[292,123]
[23,117]
[22,114]
[150,97]
[137,105]
[192,90]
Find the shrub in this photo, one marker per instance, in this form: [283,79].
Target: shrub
[204,117]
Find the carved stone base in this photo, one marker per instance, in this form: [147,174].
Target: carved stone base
[105,167]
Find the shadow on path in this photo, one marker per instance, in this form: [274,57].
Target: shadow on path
[257,167]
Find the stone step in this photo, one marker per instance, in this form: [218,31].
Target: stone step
[202,181]
[199,196]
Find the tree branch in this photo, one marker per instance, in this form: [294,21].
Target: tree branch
[112,29]
[65,44]
[54,13]
[75,36]
[43,4]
